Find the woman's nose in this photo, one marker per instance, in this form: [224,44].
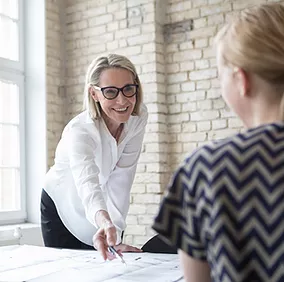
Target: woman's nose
[120,97]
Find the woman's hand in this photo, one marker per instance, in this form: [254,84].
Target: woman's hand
[100,241]
[123,248]
[104,237]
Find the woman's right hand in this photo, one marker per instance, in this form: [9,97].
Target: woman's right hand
[101,239]
[105,236]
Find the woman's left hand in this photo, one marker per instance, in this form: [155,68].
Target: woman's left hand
[123,248]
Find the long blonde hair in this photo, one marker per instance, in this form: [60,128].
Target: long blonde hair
[254,41]
[94,71]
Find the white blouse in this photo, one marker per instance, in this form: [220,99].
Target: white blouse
[91,172]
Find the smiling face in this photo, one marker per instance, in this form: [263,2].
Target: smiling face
[118,110]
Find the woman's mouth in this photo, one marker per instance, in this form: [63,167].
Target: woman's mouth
[121,110]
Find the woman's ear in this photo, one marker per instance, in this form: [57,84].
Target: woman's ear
[93,93]
[243,81]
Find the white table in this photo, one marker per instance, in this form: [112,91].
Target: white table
[41,264]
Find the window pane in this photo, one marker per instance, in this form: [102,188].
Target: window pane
[9,102]
[9,8]
[10,197]
[9,38]
[9,146]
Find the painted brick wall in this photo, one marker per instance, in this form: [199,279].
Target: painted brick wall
[197,113]
[55,74]
[170,42]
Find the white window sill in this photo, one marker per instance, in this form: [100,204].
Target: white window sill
[20,234]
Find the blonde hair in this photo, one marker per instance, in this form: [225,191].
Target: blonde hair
[254,41]
[93,78]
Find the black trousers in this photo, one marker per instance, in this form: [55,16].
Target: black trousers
[54,233]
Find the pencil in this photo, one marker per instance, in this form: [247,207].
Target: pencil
[117,255]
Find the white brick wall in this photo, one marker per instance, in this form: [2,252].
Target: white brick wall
[192,85]
[170,42]
[55,71]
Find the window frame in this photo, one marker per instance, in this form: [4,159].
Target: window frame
[14,71]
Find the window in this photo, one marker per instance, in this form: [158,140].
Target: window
[12,117]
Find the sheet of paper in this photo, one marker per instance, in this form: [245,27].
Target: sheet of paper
[22,256]
[39,264]
[28,262]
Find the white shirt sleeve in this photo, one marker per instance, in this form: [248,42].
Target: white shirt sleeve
[81,151]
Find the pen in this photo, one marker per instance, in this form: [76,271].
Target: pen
[114,252]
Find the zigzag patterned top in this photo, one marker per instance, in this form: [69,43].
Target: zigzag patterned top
[225,205]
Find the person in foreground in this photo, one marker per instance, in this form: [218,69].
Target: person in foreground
[224,209]
[85,199]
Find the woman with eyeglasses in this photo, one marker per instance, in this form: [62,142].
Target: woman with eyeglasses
[86,195]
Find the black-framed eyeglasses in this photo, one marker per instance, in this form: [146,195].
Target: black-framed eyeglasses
[111,92]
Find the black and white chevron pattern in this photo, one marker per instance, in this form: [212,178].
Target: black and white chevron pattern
[226,205]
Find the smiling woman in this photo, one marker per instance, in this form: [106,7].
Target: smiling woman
[85,200]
